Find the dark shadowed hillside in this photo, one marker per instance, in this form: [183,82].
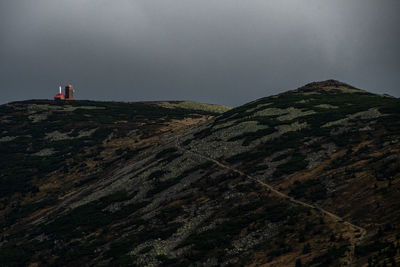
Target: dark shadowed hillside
[310,177]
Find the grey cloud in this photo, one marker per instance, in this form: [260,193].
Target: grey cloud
[226,51]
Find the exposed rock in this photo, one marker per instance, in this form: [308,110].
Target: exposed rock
[45,152]
[7,138]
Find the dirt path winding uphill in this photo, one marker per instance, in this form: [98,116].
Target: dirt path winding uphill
[362,231]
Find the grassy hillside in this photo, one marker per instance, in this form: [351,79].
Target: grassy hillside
[218,109]
[308,177]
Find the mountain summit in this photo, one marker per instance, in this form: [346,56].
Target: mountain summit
[329,86]
[309,177]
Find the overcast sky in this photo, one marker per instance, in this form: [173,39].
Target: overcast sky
[216,51]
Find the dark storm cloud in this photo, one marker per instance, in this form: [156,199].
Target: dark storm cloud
[225,51]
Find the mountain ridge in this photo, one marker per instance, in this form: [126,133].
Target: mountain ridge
[231,189]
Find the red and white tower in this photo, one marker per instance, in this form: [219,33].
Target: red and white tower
[59,96]
[69,93]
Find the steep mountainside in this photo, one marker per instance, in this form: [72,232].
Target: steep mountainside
[308,177]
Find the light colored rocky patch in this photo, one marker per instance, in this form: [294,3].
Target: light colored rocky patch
[7,138]
[391,142]
[213,146]
[37,117]
[251,240]
[270,112]
[224,125]
[232,195]
[218,149]
[366,129]
[281,129]
[40,112]
[133,133]
[237,129]
[166,247]
[294,113]
[315,158]
[340,130]
[57,136]
[313,140]
[259,107]
[372,113]
[132,181]
[45,152]
[342,122]
[86,133]
[32,108]
[211,225]
[327,106]
[5,119]
[284,114]
[217,145]
[173,192]
[123,180]
[311,93]
[343,89]
[266,174]
[293,127]
[303,101]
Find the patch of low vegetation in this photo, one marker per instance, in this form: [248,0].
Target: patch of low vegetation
[160,186]
[331,257]
[165,152]
[15,255]
[25,210]
[311,189]
[248,137]
[216,109]
[220,237]
[297,162]
[91,217]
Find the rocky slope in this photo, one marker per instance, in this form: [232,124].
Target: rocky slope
[308,177]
